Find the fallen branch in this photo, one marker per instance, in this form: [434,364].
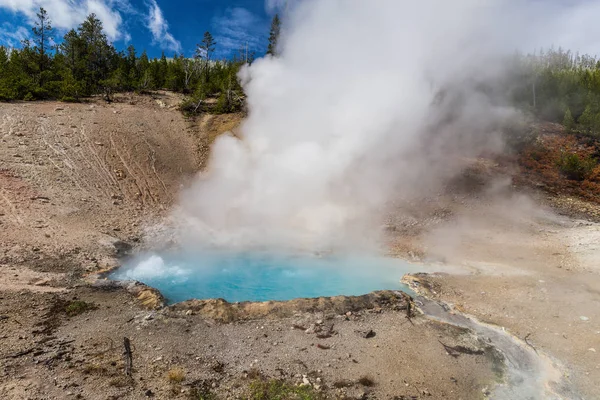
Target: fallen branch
[529,344]
[21,353]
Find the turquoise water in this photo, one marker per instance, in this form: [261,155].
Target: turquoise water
[262,276]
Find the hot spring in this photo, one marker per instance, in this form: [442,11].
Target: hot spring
[256,276]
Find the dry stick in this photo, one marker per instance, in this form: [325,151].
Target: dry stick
[409,307]
[21,353]
[127,355]
[529,344]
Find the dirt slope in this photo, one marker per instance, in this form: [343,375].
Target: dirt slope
[75,176]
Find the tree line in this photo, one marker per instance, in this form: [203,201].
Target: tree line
[554,85]
[559,86]
[85,63]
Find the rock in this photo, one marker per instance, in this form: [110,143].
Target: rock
[148,393]
[42,282]
[367,334]
[305,381]
[583,318]
[58,109]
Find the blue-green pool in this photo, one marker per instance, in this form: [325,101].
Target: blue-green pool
[259,276]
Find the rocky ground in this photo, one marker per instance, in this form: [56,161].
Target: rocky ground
[79,184]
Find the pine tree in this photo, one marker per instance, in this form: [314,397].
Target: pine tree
[98,53]
[587,118]
[568,121]
[42,32]
[207,47]
[274,36]
[72,49]
[204,51]
[163,71]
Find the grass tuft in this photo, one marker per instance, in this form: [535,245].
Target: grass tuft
[176,375]
[78,307]
[274,389]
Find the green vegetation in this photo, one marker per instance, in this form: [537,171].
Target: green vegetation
[559,86]
[576,167]
[85,63]
[274,36]
[274,389]
[78,307]
[555,85]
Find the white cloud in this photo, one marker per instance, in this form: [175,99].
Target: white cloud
[238,28]
[67,14]
[12,36]
[159,28]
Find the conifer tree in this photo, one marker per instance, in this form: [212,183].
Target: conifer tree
[274,36]
[568,121]
[42,32]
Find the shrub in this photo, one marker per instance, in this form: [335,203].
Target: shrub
[575,167]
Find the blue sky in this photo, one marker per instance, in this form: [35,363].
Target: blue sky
[154,25]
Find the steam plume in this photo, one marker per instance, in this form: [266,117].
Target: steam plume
[369,101]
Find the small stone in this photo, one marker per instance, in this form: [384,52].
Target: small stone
[349,313]
[592,349]
[189,312]
[583,318]
[305,381]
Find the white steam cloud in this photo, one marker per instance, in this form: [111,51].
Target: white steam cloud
[369,102]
